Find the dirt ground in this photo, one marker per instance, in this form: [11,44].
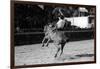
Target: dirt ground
[73,52]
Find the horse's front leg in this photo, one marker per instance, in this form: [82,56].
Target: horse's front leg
[48,42]
[43,41]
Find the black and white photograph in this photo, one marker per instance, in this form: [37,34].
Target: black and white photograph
[52,34]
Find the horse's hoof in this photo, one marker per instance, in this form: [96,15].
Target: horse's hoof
[42,45]
[46,45]
[55,56]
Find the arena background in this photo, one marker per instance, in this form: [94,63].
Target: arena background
[30,19]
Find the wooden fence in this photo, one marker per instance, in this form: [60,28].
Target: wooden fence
[36,37]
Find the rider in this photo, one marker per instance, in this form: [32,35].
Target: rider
[60,24]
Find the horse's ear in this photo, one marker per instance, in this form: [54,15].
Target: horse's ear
[45,28]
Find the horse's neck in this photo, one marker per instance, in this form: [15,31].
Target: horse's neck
[52,32]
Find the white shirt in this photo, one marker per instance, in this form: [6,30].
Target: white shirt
[60,23]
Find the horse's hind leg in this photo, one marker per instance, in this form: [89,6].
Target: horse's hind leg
[62,47]
[57,52]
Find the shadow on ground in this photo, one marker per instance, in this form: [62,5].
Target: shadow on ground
[73,57]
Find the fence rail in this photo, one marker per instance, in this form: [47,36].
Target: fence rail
[26,33]
[37,37]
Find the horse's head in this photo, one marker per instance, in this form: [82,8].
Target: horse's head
[48,28]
